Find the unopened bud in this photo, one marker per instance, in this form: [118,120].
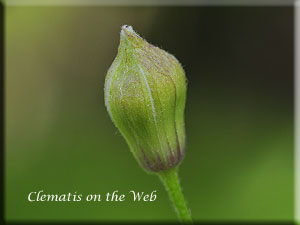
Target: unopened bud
[145,92]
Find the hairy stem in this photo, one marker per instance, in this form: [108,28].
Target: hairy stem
[171,181]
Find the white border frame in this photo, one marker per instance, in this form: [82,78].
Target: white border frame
[295,3]
[150,2]
[297,109]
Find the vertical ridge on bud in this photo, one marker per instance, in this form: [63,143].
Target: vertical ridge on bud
[145,91]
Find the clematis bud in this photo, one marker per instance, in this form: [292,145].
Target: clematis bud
[145,92]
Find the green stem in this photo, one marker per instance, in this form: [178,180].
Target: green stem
[171,181]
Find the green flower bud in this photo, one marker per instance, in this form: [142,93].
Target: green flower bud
[145,92]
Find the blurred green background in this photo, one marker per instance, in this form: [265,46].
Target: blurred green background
[239,113]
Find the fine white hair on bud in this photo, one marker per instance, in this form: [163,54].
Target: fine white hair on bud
[145,94]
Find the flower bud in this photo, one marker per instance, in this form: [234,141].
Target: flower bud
[145,92]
